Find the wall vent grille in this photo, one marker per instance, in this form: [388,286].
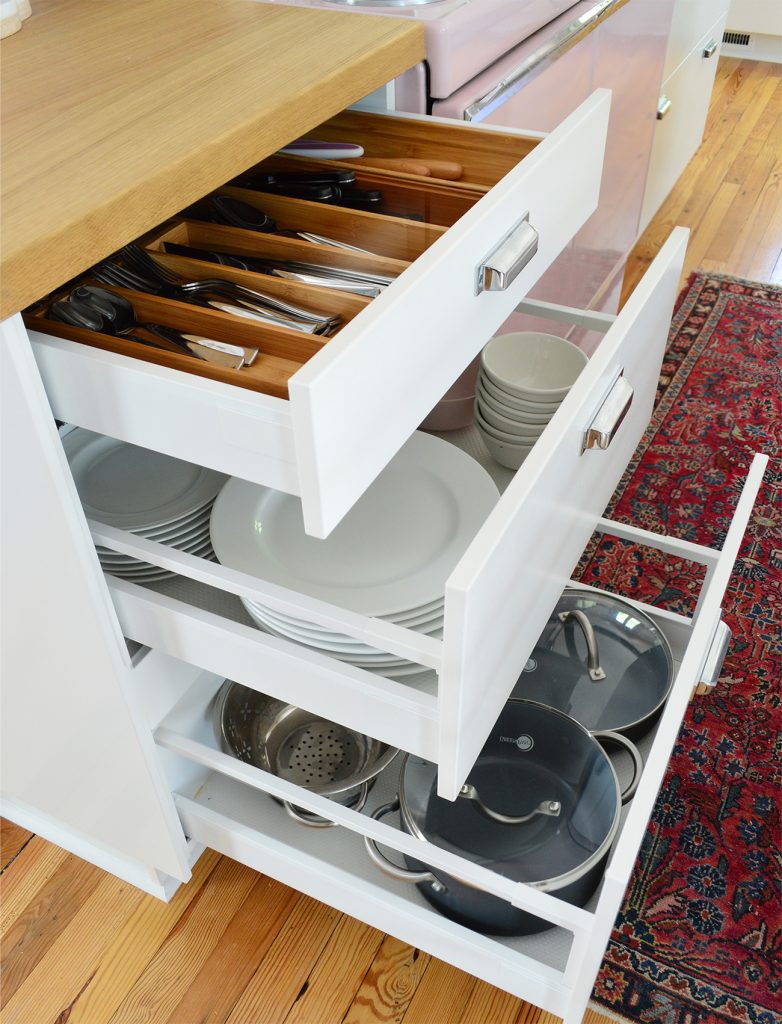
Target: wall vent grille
[736,38]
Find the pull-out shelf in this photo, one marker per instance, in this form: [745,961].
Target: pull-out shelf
[225,804]
[356,400]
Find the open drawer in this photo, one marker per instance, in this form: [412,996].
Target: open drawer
[497,599]
[224,803]
[356,400]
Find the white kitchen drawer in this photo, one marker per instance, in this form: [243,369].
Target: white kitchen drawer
[679,132]
[497,599]
[691,20]
[356,401]
[223,803]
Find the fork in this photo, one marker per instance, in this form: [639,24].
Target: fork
[143,263]
[112,273]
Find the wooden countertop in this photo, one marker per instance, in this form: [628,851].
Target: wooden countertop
[116,115]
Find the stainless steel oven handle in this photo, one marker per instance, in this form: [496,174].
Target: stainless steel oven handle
[554,47]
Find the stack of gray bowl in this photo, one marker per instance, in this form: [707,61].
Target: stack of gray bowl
[522,381]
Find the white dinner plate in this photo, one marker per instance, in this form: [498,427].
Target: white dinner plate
[357,652]
[400,667]
[189,542]
[408,621]
[394,549]
[141,569]
[428,626]
[133,488]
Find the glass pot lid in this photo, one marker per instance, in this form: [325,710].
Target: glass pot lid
[601,661]
[538,765]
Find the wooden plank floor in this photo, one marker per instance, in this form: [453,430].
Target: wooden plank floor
[233,947]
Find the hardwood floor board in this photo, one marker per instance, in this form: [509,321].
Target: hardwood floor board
[528,1014]
[487,1003]
[768,110]
[134,946]
[218,985]
[30,871]
[389,984]
[188,945]
[441,996]
[740,219]
[710,226]
[285,969]
[43,920]
[338,974]
[49,992]
[13,839]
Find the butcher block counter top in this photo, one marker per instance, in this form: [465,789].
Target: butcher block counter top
[117,115]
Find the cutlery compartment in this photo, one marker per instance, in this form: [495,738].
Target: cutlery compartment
[408,137]
[241,242]
[393,237]
[353,404]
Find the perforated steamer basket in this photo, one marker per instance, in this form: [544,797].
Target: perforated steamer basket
[301,747]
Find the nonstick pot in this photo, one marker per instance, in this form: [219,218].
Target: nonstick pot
[541,805]
[602,661]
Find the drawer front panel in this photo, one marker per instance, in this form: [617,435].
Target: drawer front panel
[678,135]
[355,403]
[691,19]
[500,596]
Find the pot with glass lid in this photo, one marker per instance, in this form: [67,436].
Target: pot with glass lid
[541,805]
[602,661]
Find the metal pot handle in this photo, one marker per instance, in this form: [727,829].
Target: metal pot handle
[381,861]
[638,762]
[314,820]
[596,673]
[550,808]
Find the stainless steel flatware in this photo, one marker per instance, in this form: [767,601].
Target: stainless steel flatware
[143,267]
[96,309]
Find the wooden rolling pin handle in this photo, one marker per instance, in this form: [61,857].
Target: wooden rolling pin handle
[447,169]
[394,164]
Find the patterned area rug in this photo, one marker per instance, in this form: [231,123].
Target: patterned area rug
[699,939]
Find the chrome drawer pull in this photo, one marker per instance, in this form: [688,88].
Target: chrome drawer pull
[712,666]
[663,107]
[600,432]
[710,49]
[504,264]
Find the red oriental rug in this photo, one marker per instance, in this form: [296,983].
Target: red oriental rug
[699,938]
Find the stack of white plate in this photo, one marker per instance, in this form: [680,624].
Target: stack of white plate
[143,492]
[389,558]
[522,381]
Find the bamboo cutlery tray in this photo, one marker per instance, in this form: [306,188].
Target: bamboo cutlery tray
[421,209]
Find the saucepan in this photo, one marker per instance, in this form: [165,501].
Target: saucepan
[541,805]
[602,661]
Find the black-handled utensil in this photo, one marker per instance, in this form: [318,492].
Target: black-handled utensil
[97,309]
[238,214]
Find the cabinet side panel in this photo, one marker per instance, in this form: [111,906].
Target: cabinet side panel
[70,748]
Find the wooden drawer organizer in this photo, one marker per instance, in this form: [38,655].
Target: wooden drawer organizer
[325,422]
[421,210]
